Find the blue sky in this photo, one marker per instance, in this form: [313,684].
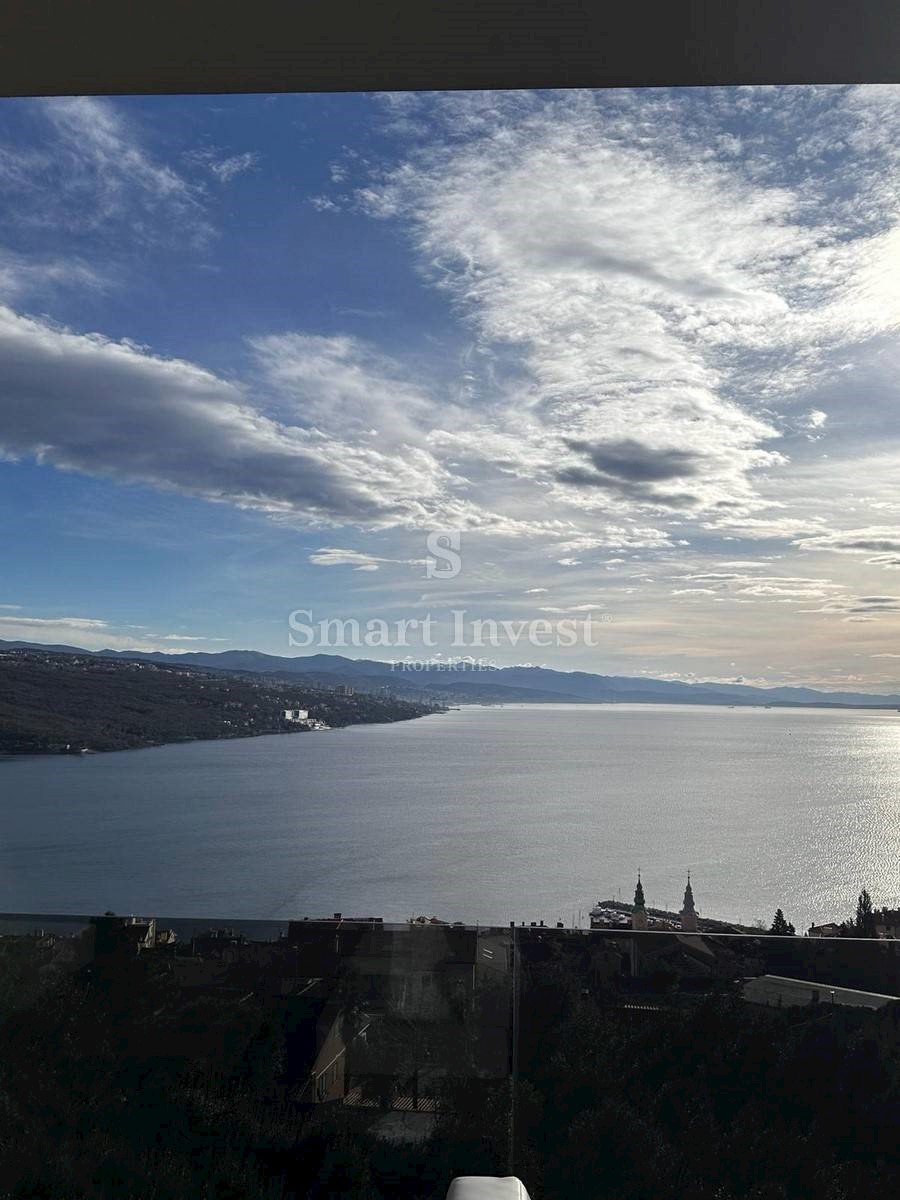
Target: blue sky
[638,349]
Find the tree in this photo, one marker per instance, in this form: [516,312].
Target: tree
[865,917]
[780,926]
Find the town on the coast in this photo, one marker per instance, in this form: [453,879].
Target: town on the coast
[616,914]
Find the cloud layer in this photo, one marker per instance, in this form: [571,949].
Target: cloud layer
[663,314]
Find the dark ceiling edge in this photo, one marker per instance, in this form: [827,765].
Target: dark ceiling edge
[140,47]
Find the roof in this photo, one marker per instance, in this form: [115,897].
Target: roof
[780,990]
[690,944]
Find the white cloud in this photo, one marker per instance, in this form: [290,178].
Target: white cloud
[24,276]
[572,608]
[92,633]
[883,539]
[59,622]
[607,263]
[332,556]
[858,608]
[93,172]
[344,386]
[224,167]
[185,637]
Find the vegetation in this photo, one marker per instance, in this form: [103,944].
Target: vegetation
[117,1084]
[864,924]
[54,703]
[716,1100]
[781,926]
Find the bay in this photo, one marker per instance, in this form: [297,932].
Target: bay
[520,812]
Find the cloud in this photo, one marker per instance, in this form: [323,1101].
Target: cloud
[632,469]
[40,623]
[607,258]
[185,637]
[331,556]
[885,540]
[659,291]
[772,590]
[716,575]
[630,461]
[85,403]
[572,608]
[327,432]
[859,607]
[28,276]
[652,298]
[747,562]
[92,633]
[92,173]
[224,167]
[343,385]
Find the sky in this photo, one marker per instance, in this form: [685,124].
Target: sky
[636,351]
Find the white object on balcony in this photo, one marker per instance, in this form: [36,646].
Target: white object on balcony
[487,1187]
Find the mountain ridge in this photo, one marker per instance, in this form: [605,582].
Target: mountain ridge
[569,686]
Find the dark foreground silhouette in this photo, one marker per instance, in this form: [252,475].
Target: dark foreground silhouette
[116,1083]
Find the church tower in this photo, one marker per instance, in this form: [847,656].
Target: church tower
[688,912]
[639,916]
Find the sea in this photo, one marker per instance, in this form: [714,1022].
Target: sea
[481,814]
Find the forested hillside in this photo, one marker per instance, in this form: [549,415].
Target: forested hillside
[51,703]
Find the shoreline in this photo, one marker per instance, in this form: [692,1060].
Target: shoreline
[91,752]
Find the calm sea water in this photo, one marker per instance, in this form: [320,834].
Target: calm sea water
[484,814]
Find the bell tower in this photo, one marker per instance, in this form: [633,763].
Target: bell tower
[639,915]
[688,912]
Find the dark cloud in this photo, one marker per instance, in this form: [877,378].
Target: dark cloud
[632,470]
[87,404]
[855,541]
[631,461]
[869,606]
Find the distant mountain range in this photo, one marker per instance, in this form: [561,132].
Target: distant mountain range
[491,684]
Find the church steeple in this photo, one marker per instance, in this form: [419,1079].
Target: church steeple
[688,912]
[639,915]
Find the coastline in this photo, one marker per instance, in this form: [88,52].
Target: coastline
[90,752]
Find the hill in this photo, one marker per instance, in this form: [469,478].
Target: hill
[54,701]
[474,683]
